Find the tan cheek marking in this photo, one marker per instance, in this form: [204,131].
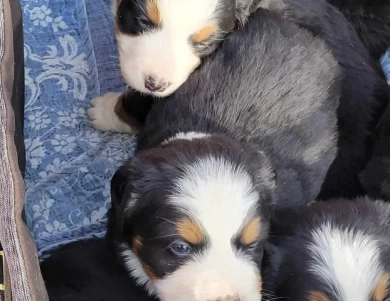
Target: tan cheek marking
[317,296]
[148,271]
[382,288]
[190,231]
[137,246]
[204,33]
[251,232]
[153,12]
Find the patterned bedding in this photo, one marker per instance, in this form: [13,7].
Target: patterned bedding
[386,65]
[70,57]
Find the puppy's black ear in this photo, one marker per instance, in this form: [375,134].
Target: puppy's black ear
[120,187]
[271,266]
[244,8]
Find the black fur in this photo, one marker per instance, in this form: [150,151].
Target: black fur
[371,19]
[288,257]
[88,271]
[365,93]
[376,176]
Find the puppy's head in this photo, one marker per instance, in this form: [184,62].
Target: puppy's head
[191,219]
[161,42]
[333,251]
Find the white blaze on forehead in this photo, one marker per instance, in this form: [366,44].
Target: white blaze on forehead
[218,195]
[186,136]
[347,260]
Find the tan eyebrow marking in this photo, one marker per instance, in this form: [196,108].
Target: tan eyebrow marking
[153,12]
[251,232]
[317,296]
[204,33]
[382,288]
[190,231]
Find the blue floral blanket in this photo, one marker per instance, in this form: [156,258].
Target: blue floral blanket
[386,65]
[70,57]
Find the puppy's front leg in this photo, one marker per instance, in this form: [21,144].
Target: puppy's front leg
[122,113]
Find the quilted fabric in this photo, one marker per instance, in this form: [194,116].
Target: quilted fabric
[70,57]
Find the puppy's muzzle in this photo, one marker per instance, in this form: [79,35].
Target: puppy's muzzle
[153,84]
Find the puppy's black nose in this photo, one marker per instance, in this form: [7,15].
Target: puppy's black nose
[153,84]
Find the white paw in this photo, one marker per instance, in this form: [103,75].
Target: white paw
[103,116]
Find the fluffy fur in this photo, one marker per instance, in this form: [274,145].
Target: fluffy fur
[89,270]
[161,42]
[331,251]
[371,19]
[364,95]
[214,157]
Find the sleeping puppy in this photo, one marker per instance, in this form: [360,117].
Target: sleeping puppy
[161,42]
[364,94]
[192,206]
[339,250]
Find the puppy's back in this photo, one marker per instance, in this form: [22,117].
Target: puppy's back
[267,70]
[270,83]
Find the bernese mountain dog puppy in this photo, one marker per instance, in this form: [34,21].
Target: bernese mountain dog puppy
[338,250]
[191,207]
[364,92]
[161,42]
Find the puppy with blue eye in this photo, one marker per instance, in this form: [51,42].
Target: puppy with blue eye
[334,251]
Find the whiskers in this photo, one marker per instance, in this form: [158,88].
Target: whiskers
[270,296]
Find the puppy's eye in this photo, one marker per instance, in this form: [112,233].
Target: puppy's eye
[180,249]
[144,22]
